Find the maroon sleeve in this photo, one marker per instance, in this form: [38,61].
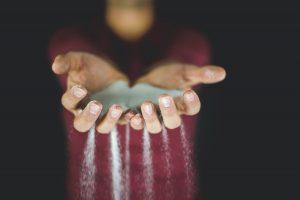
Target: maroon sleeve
[71,39]
[190,47]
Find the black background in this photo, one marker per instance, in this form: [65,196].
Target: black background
[247,143]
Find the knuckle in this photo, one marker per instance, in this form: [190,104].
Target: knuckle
[155,130]
[136,127]
[99,129]
[175,123]
[102,129]
[172,125]
[77,127]
[194,111]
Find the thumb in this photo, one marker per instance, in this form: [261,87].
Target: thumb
[60,65]
[207,74]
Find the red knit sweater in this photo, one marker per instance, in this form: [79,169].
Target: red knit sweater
[162,42]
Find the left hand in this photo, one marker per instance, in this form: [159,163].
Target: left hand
[174,76]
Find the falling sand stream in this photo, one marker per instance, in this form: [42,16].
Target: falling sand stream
[121,179]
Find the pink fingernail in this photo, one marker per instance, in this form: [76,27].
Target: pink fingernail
[137,121]
[166,102]
[189,97]
[148,109]
[78,92]
[116,112]
[94,108]
[209,73]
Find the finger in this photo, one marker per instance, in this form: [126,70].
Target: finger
[189,103]
[72,97]
[110,119]
[126,117]
[207,74]
[61,64]
[150,117]
[137,122]
[85,119]
[169,112]
[130,114]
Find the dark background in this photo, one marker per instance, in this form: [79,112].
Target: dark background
[247,145]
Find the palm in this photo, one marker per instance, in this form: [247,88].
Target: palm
[182,76]
[92,72]
[169,76]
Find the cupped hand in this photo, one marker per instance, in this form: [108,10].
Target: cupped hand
[87,74]
[174,76]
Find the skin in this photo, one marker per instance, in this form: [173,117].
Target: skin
[88,73]
[177,76]
[129,19]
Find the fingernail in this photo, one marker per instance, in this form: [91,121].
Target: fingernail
[209,73]
[148,109]
[116,112]
[78,91]
[166,102]
[137,121]
[189,97]
[94,108]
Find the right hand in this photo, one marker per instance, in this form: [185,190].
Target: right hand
[87,74]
